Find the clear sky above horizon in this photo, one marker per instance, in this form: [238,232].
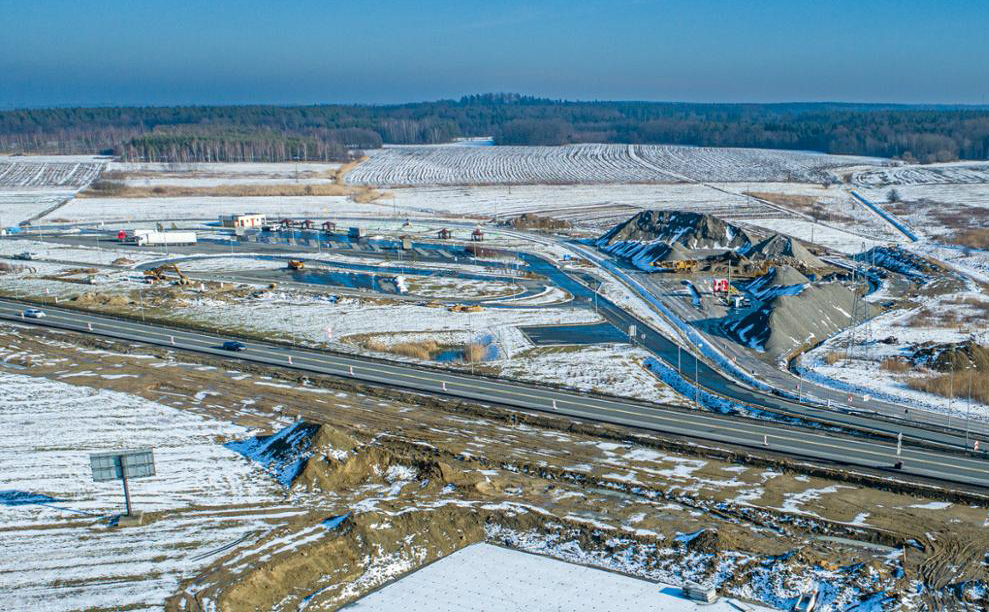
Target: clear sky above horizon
[58,52]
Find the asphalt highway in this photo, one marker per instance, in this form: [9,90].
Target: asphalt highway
[808,443]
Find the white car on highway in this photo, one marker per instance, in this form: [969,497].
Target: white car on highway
[34,313]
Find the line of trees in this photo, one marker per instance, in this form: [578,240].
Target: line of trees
[328,132]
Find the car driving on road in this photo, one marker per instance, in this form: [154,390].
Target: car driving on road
[34,313]
[233,345]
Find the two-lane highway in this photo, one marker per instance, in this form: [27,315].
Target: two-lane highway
[804,443]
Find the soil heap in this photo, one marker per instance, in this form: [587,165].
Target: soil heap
[951,356]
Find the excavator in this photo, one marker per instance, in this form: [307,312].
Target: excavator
[296,264]
[155,275]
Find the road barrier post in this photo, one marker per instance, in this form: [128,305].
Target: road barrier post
[444,385]
[89,326]
[351,370]
[765,440]
[172,340]
[899,443]
[290,360]
[554,404]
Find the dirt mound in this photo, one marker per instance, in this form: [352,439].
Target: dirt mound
[531,221]
[123,261]
[902,262]
[784,248]
[101,299]
[951,356]
[652,234]
[286,453]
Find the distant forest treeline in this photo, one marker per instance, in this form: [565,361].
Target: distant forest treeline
[334,132]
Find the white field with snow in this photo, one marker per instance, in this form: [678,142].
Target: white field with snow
[861,373]
[227,169]
[615,369]
[589,163]
[487,577]
[146,209]
[952,173]
[307,318]
[60,554]
[48,171]
[17,205]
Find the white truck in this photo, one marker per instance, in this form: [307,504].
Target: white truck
[164,238]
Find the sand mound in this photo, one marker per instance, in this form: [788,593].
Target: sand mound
[286,453]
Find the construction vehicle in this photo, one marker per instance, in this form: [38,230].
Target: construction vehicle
[677,267]
[159,274]
[296,264]
[329,227]
[307,224]
[466,308]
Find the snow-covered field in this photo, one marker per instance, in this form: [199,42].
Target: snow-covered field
[17,205]
[833,238]
[137,209]
[487,577]
[48,172]
[954,173]
[589,163]
[612,369]
[307,318]
[285,170]
[81,254]
[58,551]
[861,371]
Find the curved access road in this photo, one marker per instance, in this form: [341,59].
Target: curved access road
[825,446]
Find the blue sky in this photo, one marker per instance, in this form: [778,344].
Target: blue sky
[56,52]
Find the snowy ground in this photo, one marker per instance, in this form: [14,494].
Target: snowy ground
[307,318]
[137,209]
[861,373]
[285,170]
[487,577]
[48,171]
[59,553]
[615,369]
[83,255]
[817,233]
[937,210]
[953,173]
[17,205]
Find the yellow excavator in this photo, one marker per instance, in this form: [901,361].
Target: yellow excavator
[159,274]
[296,264]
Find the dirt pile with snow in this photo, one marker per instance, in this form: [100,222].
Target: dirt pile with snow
[532,221]
[790,312]
[666,235]
[784,249]
[951,356]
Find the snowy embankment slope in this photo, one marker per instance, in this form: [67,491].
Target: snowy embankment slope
[58,552]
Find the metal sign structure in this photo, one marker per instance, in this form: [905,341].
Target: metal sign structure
[121,465]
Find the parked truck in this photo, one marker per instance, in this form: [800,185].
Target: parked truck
[164,238]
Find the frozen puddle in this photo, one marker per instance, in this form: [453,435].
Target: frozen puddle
[486,577]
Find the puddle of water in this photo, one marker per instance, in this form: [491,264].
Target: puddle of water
[449,356]
[598,333]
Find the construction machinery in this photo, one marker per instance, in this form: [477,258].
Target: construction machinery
[677,267]
[160,274]
[296,264]
[466,308]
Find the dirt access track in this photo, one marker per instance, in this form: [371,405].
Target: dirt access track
[412,478]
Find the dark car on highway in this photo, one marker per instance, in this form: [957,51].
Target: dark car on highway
[233,345]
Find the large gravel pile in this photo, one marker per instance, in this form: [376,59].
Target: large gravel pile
[653,235]
[789,311]
[782,248]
